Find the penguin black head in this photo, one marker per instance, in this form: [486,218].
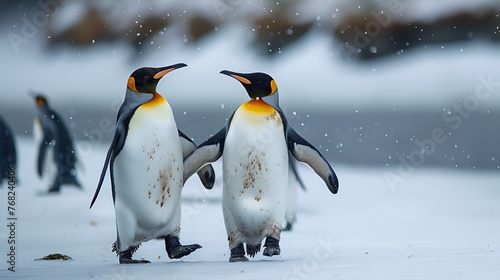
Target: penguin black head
[146,79]
[40,100]
[256,84]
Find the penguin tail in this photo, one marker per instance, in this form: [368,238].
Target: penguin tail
[114,248]
[253,249]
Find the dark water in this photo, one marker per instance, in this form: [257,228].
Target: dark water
[384,138]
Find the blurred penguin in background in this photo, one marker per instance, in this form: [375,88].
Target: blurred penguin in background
[56,155]
[7,151]
[294,181]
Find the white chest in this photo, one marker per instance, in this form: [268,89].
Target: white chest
[148,170]
[255,161]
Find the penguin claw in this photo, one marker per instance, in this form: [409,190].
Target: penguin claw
[272,247]
[125,257]
[183,250]
[271,251]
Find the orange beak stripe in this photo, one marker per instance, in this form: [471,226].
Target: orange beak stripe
[241,79]
[162,73]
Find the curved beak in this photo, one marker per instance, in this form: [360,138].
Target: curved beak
[162,71]
[238,76]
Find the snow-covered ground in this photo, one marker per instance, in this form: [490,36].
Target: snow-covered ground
[439,224]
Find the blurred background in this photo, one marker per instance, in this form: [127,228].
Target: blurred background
[369,82]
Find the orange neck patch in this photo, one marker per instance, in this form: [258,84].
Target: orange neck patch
[157,100]
[258,106]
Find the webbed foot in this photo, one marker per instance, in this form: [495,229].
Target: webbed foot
[238,254]
[272,247]
[125,257]
[175,250]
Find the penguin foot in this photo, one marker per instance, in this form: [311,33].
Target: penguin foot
[125,257]
[46,193]
[131,261]
[272,247]
[288,227]
[183,250]
[175,250]
[53,190]
[238,254]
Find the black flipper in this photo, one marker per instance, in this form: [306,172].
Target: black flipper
[305,152]
[206,173]
[132,101]
[293,167]
[105,167]
[208,152]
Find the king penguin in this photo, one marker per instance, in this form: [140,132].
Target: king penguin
[56,155]
[254,146]
[8,157]
[146,167]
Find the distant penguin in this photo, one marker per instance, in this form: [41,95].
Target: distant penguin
[8,159]
[56,155]
[146,166]
[254,146]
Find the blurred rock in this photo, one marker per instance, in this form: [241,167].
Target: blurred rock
[363,29]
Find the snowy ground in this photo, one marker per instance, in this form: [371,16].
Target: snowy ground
[439,224]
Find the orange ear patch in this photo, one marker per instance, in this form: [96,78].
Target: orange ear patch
[274,87]
[40,102]
[131,84]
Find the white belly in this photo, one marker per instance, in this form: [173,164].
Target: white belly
[255,167]
[148,176]
[49,172]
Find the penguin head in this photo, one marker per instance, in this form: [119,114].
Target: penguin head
[256,84]
[145,80]
[40,100]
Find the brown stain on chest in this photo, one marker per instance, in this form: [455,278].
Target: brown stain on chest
[253,168]
[163,180]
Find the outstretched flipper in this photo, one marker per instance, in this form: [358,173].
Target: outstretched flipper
[305,152]
[206,173]
[208,152]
